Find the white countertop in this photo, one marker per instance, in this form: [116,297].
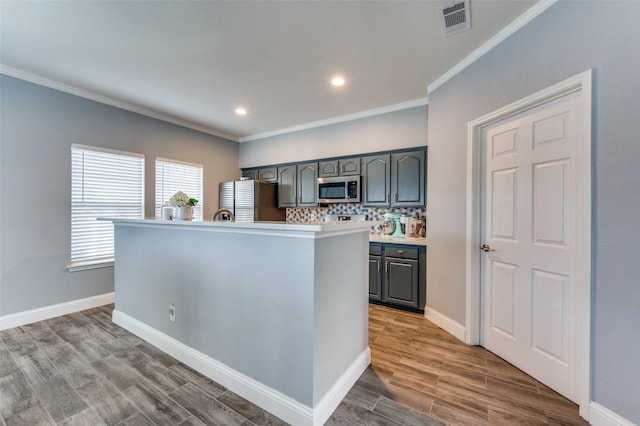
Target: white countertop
[314,230]
[378,238]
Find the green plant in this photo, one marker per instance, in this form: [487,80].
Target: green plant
[181,199]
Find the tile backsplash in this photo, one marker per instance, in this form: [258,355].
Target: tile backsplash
[317,214]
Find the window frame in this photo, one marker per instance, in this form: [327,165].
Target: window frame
[79,209]
[198,210]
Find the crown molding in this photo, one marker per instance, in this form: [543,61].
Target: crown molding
[505,33]
[341,119]
[93,96]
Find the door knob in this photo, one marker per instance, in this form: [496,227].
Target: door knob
[485,247]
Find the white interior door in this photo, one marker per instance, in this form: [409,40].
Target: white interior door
[532,212]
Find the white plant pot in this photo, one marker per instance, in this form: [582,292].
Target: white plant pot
[184,213]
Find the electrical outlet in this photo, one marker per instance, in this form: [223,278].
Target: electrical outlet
[172,312]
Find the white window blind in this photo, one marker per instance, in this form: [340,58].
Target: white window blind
[173,176]
[104,183]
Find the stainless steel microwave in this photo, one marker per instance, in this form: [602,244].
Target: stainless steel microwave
[343,189]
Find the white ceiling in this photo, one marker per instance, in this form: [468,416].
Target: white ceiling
[195,61]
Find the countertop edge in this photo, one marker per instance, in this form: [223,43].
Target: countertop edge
[300,230]
[377,238]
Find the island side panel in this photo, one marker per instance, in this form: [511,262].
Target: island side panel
[242,299]
[341,308]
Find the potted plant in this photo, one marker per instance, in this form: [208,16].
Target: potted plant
[183,205]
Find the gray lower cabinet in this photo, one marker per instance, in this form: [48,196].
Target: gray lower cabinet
[397,275]
[375,278]
[297,185]
[401,282]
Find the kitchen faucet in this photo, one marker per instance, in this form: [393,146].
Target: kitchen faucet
[220,211]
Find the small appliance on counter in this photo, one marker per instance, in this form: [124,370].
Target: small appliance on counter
[345,217]
[393,225]
[251,201]
[414,227]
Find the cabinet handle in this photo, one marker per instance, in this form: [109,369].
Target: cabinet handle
[388,197]
[378,262]
[400,251]
[396,197]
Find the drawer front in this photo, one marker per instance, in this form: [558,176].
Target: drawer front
[375,249]
[401,252]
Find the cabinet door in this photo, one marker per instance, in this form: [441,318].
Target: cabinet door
[287,186]
[308,185]
[269,174]
[407,179]
[350,167]
[401,282]
[376,185]
[328,168]
[250,174]
[375,278]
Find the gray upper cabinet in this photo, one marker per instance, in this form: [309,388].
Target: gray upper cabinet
[347,167]
[395,180]
[408,178]
[388,180]
[250,173]
[376,180]
[328,169]
[287,191]
[269,174]
[307,185]
[298,185]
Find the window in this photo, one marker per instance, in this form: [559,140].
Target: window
[173,176]
[104,183]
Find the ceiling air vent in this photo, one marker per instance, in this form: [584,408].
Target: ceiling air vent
[455,17]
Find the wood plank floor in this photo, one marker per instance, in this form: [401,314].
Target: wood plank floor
[81,369]
[421,366]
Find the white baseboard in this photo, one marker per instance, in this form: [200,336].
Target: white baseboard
[263,396]
[602,416]
[41,314]
[452,327]
[327,405]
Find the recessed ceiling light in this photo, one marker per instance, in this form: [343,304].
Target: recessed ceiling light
[337,81]
[241,111]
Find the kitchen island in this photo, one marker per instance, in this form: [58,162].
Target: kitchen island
[275,312]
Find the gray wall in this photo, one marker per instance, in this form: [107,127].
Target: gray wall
[260,303]
[394,130]
[567,39]
[38,126]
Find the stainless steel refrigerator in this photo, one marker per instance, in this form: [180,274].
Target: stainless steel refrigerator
[251,201]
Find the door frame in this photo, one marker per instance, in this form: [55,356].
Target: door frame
[581,82]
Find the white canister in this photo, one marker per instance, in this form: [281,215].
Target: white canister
[410,228]
[167,213]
